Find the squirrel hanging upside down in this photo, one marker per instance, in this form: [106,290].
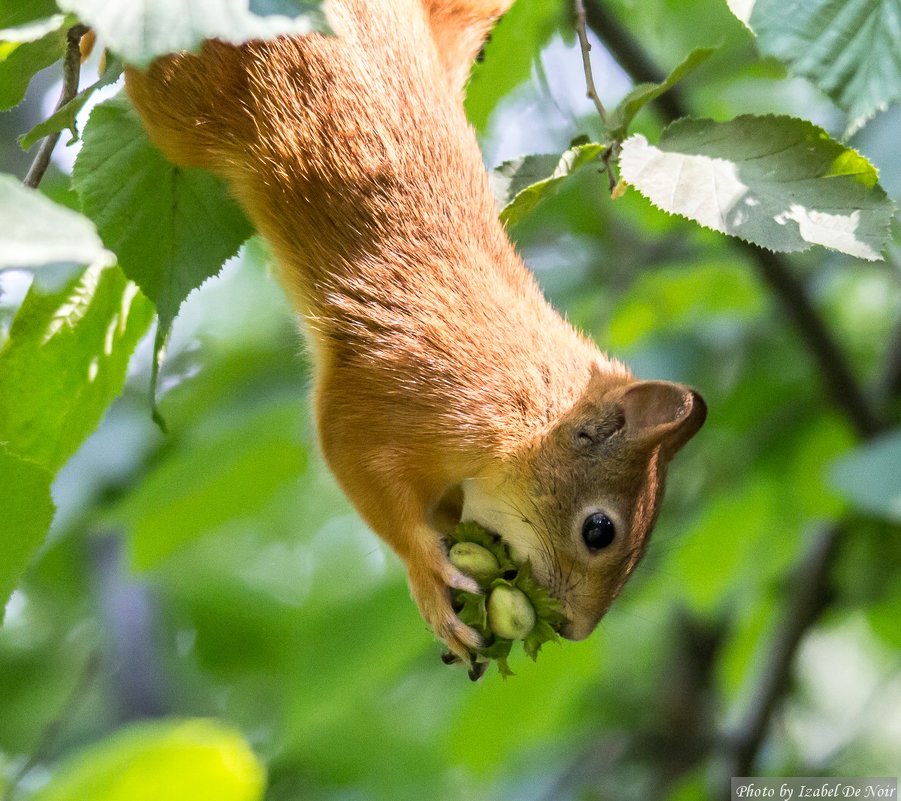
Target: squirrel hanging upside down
[445,385]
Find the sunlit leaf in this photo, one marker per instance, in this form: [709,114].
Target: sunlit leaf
[23,52]
[173,760]
[621,117]
[171,228]
[779,182]
[36,231]
[140,31]
[33,30]
[65,360]
[870,476]
[16,13]
[27,513]
[521,184]
[848,48]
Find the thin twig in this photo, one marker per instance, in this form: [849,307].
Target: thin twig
[842,385]
[71,76]
[632,57]
[585,45]
[52,729]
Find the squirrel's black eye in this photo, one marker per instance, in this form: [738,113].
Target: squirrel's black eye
[598,531]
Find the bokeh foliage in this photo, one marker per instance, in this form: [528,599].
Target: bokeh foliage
[215,578]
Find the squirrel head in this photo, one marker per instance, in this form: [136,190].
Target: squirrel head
[580,500]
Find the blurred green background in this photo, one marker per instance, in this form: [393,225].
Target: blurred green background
[218,572]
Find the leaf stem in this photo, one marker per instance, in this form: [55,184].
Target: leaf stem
[71,76]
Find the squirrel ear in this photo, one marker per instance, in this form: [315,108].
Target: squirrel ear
[663,413]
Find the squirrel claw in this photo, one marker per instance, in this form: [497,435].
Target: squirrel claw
[477,670]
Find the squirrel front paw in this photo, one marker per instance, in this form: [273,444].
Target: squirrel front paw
[432,576]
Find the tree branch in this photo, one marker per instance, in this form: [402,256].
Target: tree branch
[71,76]
[811,593]
[842,385]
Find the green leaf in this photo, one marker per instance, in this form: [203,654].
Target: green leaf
[15,13]
[229,477]
[64,118]
[65,360]
[779,182]
[473,611]
[33,30]
[140,31]
[515,44]
[847,48]
[521,184]
[22,55]
[175,760]
[870,476]
[27,513]
[36,231]
[621,117]
[171,228]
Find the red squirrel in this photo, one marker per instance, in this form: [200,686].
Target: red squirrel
[444,383]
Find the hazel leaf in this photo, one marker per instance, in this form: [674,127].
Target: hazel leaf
[521,184]
[779,182]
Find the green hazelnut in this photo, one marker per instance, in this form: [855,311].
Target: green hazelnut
[510,614]
[474,560]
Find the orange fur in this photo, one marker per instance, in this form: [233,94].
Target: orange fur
[440,369]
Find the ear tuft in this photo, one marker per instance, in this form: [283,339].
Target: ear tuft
[663,413]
